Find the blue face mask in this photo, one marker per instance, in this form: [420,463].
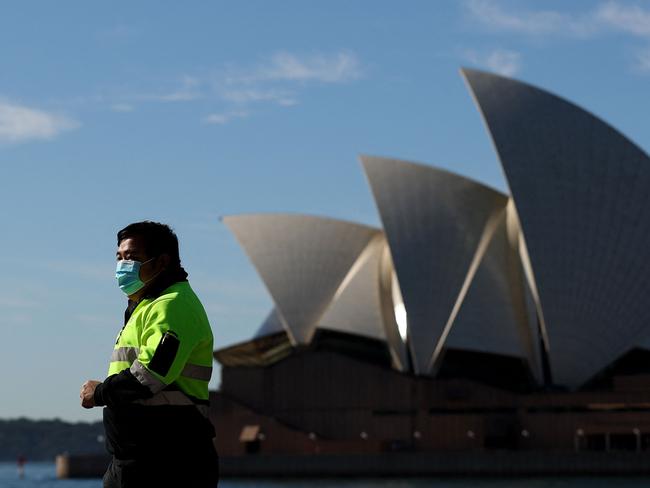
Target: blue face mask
[127,273]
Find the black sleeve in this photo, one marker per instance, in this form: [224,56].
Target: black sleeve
[120,389]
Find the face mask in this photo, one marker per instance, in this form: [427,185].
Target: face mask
[127,273]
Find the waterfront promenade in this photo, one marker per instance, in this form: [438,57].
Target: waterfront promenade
[405,465]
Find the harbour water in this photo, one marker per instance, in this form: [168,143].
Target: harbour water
[42,475]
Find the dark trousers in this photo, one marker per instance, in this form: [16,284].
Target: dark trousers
[182,472]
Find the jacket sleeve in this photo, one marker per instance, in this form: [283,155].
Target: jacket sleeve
[120,389]
[167,341]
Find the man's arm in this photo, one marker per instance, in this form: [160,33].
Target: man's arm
[162,357]
[118,389]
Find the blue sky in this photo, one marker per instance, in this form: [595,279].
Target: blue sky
[184,112]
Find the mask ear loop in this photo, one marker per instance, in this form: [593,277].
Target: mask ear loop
[154,276]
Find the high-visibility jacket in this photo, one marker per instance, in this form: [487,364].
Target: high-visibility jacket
[156,392]
[167,341]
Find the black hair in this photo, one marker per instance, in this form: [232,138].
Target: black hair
[158,239]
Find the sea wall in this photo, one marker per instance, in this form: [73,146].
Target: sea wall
[504,463]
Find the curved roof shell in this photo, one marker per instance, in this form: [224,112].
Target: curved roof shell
[581,192]
[494,316]
[356,306]
[362,305]
[438,225]
[302,260]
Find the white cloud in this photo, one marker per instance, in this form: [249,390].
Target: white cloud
[287,102]
[217,119]
[188,91]
[122,107]
[631,19]
[248,95]
[280,80]
[494,16]
[224,118]
[502,61]
[643,61]
[338,68]
[607,16]
[21,124]
[287,67]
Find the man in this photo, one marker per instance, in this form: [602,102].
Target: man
[156,392]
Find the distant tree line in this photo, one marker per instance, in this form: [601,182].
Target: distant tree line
[42,440]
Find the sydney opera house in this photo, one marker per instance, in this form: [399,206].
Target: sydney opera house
[472,319]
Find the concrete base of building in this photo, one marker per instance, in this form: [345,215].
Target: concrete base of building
[81,466]
[450,463]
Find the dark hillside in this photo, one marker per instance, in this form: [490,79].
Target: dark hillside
[42,440]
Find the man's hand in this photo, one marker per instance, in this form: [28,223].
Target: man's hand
[87,393]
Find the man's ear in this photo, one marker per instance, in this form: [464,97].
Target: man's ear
[163,261]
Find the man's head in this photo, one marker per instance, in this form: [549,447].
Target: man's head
[152,244]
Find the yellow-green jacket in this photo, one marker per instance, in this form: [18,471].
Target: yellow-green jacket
[167,340]
[156,392]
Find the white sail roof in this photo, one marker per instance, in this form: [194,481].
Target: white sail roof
[302,260]
[437,225]
[581,192]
